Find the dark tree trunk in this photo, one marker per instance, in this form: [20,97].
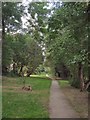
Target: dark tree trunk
[3,29]
[80,76]
[20,72]
[29,72]
[28,75]
[4,70]
[59,74]
[15,69]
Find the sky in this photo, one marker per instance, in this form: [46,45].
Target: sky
[26,3]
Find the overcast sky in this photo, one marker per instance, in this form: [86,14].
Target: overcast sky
[26,3]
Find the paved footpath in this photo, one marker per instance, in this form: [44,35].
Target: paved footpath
[59,106]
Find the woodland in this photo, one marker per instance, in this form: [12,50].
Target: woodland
[46,37]
[45,53]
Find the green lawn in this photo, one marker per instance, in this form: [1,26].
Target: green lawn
[18,103]
[64,83]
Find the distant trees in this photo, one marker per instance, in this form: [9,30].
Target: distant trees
[7,53]
[11,22]
[21,52]
[58,31]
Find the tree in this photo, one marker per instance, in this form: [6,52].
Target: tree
[11,16]
[66,26]
[34,55]
[22,51]
[7,54]
[15,45]
[11,22]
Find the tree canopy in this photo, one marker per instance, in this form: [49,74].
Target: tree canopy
[56,35]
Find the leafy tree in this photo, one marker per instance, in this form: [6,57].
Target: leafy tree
[11,16]
[66,41]
[34,55]
[7,54]
[21,51]
[11,21]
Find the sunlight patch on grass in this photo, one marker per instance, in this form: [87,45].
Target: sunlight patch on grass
[40,76]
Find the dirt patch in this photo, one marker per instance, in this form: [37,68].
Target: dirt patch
[10,87]
[8,78]
[18,89]
[14,89]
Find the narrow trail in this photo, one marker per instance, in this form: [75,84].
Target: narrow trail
[59,106]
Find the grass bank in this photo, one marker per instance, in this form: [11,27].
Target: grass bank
[18,103]
[78,100]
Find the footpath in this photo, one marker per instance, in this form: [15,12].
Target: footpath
[59,106]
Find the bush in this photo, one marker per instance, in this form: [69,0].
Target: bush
[75,83]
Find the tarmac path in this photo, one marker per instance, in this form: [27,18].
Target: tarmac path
[59,107]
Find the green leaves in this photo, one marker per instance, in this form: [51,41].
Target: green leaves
[22,50]
[11,16]
[68,35]
[7,52]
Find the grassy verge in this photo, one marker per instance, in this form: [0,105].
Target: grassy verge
[18,103]
[78,100]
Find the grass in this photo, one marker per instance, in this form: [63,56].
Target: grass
[18,103]
[64,83]
[78,100]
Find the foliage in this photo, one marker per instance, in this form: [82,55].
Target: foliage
[59,32]
[11,16]
[24,51]
[7,53]
[67,40]
[40,69]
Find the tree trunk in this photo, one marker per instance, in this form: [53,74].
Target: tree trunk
[80,75]
[20,72]
[28,75]
[29,72]
[15,71]
[3,32]
[3,27]
[4,70]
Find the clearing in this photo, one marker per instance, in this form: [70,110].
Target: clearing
[18,103]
